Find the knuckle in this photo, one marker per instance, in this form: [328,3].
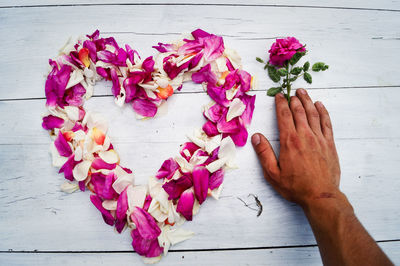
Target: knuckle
[285,112]
[299,110]
[314,114]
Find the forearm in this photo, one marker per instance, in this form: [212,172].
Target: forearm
[341,238]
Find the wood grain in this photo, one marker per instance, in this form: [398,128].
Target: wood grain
[344,42]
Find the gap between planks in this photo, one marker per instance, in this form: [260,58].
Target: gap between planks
[208,4]
[173,250]
[197,92]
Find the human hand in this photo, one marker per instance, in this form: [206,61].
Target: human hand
[308,166]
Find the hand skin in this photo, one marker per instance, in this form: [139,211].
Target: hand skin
[308,173]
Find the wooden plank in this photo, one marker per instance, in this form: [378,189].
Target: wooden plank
[286,256]
[356,4]
[356,113]
[37,215]
[350,42]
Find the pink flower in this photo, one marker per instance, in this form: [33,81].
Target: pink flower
[283,50]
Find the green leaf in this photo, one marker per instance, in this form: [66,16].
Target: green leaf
[273,91]
[266,65]
[282,72]
[259,60]
[296,71]
[292,79]
[306,66]
[307,77]
[318,66]
[296,57]
[325,68]
[273,74]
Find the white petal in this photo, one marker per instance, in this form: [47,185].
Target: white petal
[216,192]
[58,160]
[234,57]
[122,181]
[176,236]
[216,165]
[221,64]
[79,135]
[213,143]
[109,156]
[69,187]
[75,78]
[227,149]
[236,108]
[72,112]
[152,260]
[81,170]
[110,205]
[136,196]
[230,94]
[78,154]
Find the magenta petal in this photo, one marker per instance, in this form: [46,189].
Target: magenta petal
[163,47]
[97,202]
[74,96]
[213,47]
[103,72]
[98,163]
[144,107]
[248,112]
[215,112]
[95,35]
[217,94]
[106,56]
[216,179]
[120,225]
[190,147]
[233,126]
[204,75]
[62,145]
[145,223]
[122,205]
[210,129]
[147,202]
[82,185]
[91,46]
[245,80]
[167,169]
[145,247]
[148,64]
[199,33]
[51,122]
[240,137]
[116,88]
[68,167]
[175,188]
[102,185]
[200,183]
[56,83]
[185,204]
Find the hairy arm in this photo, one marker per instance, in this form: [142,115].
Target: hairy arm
[308,173]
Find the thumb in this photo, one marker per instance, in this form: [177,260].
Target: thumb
[266,155]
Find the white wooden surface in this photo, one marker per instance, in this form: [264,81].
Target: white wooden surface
[358,39]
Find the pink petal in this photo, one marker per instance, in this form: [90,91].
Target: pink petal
[233,126]
[145,223]
[213,47]
[200,183]
[120,225]
[74,96]
[144,247]
[103,185]
[185,204]
[204,75]
[190,147]
[248,112]
[116,88]
[240,137]
[68,167]
[122,205]
[210,129]
[175,188]
[163,47]
[51,122]
[91,46]
[147,202]
[144,107]
[245,80]
[216,179]
[148,64]
[217,94]
[97,202]
[56,83]
[98,163]
[167,169]
[215,112]
[62,145]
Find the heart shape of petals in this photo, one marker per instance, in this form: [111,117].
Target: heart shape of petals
[82,150]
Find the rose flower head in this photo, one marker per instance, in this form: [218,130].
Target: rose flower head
[283,50]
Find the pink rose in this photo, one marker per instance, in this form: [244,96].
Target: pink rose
[283,49]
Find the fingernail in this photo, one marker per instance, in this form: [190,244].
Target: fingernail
[302,91]
[255,139]
[320,104]
[280,95]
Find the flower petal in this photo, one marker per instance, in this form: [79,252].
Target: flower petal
[167,169]
[97,202]
[144,107]
[109,156]
[175,188]
[81,170]
[122,205]
[236,108]
[62,145]
[51,122]
[146,225]
[200,183]
[216,179]
[185,204]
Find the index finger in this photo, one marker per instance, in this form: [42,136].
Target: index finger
[284,116]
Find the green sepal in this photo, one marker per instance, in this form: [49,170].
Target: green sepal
[296,57]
